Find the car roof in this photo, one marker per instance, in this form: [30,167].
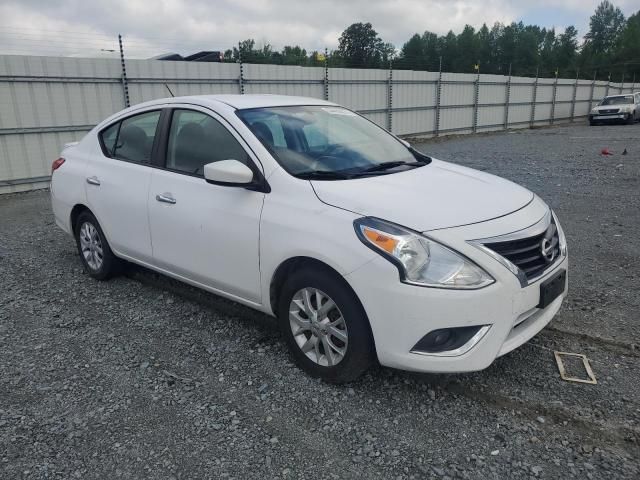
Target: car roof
[239,102]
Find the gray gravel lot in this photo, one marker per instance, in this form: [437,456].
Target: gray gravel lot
[143,377]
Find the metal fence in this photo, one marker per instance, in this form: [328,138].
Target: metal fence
[46,102]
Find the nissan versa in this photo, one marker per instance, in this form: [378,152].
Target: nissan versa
[364,248]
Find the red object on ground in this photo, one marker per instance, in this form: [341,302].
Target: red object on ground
[605,151]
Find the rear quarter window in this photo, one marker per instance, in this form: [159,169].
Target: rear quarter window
[109,137]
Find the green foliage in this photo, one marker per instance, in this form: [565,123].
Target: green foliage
[611,46]
[360,46]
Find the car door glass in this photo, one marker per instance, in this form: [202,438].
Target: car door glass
[135,138]
[196,139]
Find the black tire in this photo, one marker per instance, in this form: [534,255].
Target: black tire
[360,350]
[631,119]
[591,122]
[110,264]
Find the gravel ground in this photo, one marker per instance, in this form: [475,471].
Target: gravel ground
[144,377]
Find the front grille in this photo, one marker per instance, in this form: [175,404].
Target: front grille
[532,254]
[608,111]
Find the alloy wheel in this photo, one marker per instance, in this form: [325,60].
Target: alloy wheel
[91,246]
[318,327]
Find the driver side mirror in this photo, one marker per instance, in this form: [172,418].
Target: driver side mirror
[231,173]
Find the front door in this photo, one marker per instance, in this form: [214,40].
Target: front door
[203,232]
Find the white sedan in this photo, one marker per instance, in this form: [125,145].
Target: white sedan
[364,248]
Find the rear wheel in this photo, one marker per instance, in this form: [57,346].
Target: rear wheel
[95,253]
[325,327]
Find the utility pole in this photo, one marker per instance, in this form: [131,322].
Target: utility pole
[125,86]
[241,77]
[575,92]
[593,86]
[390,97]
[436,128]
[534,99]
[553,100]
[326,73]
[507,100]
[476,95]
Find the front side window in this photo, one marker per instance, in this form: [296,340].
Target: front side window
[132,138]
[196,139]
[328,142]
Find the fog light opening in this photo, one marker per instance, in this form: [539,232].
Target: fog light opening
[450,341]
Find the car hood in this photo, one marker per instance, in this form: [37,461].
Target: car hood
[438,195]
[599,108]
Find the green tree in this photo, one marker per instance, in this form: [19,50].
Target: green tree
[628,47]
[360,46]
[605,26]
[467,50]
[566,49]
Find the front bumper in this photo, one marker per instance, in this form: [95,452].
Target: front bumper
[401,314]
[618,117]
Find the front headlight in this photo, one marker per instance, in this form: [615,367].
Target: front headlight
[420,260]
[562,240]
[626,108]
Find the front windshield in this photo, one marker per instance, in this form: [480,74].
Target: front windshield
[621,100]
[325,141]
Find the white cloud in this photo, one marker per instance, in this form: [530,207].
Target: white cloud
[187,25]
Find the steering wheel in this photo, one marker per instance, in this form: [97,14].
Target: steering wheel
[328,162]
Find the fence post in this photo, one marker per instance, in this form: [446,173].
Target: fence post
[476,95]
[241,77]
[534,96]
[125,85]
[436,128]
[326,74]
[553,100]
[606,92]
[507,100]
[573,100]
[633,85]
[390,97]
[622,83]
[593,86]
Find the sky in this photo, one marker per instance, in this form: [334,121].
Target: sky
[90,27]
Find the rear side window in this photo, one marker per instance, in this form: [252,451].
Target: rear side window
[109,137]
[132,138]
[196,139]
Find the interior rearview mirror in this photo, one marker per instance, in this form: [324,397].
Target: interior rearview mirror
[228,172]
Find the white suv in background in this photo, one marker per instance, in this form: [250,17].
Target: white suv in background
[364,248]
[617,108]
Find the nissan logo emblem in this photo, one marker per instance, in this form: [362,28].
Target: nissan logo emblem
[547,250]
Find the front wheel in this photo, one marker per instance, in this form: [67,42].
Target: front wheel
[325,326]
[631,119]
[95,253]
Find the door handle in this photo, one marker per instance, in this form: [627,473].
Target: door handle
[93,181]
[165,198]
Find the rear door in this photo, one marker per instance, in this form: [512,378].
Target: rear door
[205,233]
[117,183]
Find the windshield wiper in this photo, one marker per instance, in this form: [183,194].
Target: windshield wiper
[323,175]
[387,166]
